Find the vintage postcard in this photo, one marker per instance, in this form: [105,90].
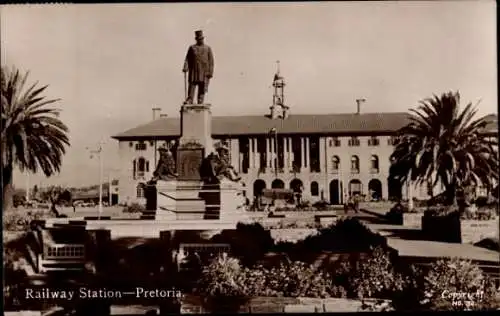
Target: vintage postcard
[294,157]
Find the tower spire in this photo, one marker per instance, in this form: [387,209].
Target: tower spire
[278,109]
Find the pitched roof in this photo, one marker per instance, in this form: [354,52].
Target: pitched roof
[348,123]
[294,124]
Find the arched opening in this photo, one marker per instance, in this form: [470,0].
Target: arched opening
[355,187]
[314,188]
[142,167]
[335,192]
[258,187]
[278,184]
[296,185]
[394,188]
[374,165]
[375,188]
[355,164]
[335,164]
[394,185]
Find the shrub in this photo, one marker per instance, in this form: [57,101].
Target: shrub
[371,276]
[455,276]
[134,208]
[225,277]
[321,205]
[14,273]
[395,214]
[20,221]
[249,242]
[481,214]
[481,201]
[220,278]
[347,235]
[440,211]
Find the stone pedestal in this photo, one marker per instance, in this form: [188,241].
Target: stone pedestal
[196,126]
[179,200]
[232,202]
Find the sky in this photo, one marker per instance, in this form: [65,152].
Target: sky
[111,64]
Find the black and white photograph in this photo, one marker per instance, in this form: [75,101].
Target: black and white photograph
[254,158]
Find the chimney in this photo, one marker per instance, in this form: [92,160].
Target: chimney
[154,112]
[358,104]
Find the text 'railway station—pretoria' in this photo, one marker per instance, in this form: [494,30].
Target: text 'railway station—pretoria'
[327,156]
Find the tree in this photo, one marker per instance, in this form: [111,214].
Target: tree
[443,145]
[56,195]
[33,138]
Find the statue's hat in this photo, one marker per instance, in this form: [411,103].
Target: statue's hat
[198,34]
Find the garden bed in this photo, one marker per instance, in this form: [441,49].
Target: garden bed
[194,304]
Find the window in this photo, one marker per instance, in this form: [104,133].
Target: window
[131,144]
[140,191]
[140,146]
[335,164]
[140,167]
[374,167]
[373,141]
[393,141]
[353,142]
[314,188]
[354,164]
[151,143]
[334,142]
[133,169]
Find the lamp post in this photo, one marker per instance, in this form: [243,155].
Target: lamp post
[27,187]
[98,152]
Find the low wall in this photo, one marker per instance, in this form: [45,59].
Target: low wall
[473,230]
[193,305]
[412,220]
[454,229]
[442,228]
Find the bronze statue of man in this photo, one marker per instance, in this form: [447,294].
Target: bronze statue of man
[199,65]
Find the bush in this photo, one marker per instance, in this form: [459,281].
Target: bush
[20,221]
[481,215]
[249,242]
[321,205]
[455,276]
[481,201]
[372,276]
[225,277]
[440,211]
[134,208]
[395,214]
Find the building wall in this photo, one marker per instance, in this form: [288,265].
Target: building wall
[327,150]
[127,182]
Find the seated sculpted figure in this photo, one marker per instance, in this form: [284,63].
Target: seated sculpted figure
[165,170]
[217,166]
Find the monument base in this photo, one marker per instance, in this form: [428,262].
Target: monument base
[192,200]
[181,199]
[232,201]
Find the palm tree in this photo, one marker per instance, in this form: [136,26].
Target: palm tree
[32,136]
[443,145]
